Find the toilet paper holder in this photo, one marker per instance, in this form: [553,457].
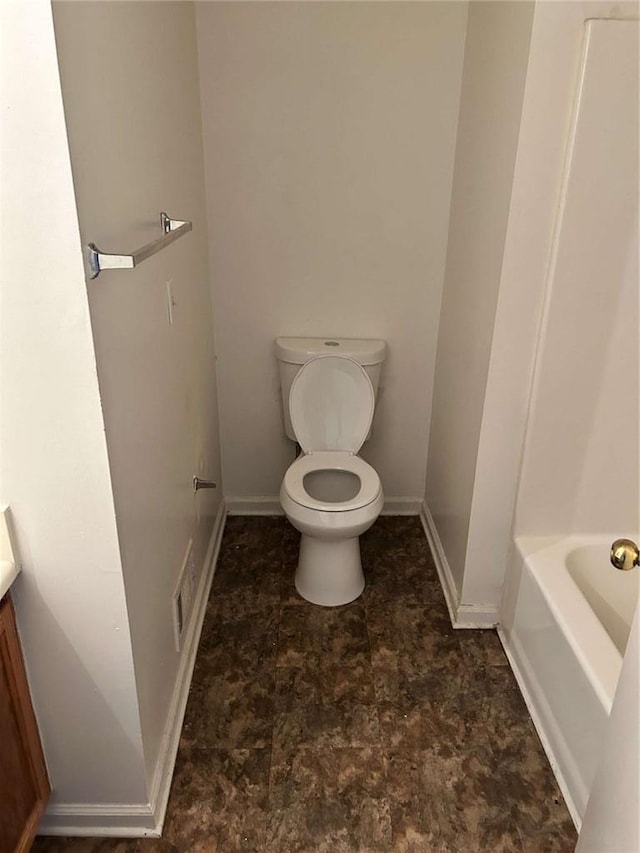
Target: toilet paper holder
[203,484]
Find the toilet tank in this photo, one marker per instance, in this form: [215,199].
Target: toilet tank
[292,353]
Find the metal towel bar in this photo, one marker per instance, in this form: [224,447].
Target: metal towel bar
[171,230]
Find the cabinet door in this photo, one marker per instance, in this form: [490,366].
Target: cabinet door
[24,786]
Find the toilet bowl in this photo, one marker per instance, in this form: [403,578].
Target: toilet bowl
[329,493]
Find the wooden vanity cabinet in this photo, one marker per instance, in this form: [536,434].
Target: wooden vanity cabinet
[24,785]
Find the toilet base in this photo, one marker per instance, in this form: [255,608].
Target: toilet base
[329,572]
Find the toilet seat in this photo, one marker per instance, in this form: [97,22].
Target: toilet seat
[331,403]
[293,484]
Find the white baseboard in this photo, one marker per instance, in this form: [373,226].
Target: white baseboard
[161,783]
[117,820]
[442,566]
[259,505]
[121,820]
[476,616]
[402,506]
[267,505]
[525,675]
[461,615]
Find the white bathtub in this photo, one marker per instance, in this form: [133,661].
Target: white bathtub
[566,618]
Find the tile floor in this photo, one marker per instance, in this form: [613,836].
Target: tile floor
[370,727]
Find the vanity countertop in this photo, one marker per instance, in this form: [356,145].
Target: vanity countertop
[8,573]
[9,565]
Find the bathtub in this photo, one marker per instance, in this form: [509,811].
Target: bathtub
[564,623]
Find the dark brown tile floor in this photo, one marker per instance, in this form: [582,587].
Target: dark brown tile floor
[369,727]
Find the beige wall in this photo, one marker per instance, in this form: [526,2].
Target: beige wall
[495,65]
[70,599]
[329,137]
[130,87]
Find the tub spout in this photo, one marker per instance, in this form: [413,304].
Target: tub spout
[624,554]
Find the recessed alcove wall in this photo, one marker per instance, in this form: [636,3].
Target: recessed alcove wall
[329,140]
[473,477]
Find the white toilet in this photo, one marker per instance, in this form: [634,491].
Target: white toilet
[329,494]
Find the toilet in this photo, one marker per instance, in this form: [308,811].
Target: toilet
[329,493]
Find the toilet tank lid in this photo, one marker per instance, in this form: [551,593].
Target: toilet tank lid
[300,350]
